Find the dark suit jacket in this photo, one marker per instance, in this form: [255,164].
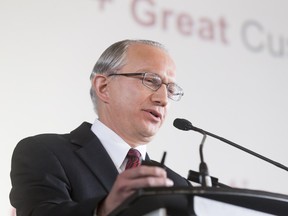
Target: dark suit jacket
[63,175]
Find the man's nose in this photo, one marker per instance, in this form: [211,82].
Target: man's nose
[161,95]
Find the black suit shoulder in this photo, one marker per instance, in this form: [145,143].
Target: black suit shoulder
[46,169]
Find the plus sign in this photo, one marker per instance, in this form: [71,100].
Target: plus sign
[102,3]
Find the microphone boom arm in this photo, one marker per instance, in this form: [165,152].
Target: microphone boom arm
[241,147]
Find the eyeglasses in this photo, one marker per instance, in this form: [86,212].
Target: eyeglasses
[154,82]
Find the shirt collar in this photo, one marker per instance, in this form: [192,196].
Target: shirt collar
[116,147]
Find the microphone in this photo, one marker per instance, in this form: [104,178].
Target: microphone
[204,178]
[186,125]
[182,124]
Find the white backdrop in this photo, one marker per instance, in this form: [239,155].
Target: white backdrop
[232,59]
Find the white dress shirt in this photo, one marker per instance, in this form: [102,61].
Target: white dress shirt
[116,147]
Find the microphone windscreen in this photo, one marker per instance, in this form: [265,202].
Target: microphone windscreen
[182,124]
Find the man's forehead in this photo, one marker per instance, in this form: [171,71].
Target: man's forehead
[149,58]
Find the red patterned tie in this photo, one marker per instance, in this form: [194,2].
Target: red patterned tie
[134,159]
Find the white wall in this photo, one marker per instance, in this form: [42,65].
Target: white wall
[232,59]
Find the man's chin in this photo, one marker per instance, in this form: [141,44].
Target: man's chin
[150,134]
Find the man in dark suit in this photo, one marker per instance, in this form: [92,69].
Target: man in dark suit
[83,173]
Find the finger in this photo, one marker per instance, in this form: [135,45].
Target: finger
[145,171]
[151,182]
[134,184]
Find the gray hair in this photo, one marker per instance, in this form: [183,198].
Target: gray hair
[113,59]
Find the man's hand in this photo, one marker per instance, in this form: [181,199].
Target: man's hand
[129,181]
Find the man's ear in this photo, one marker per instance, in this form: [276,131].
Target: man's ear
[100,86]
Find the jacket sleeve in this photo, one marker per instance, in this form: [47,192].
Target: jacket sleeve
[40,186]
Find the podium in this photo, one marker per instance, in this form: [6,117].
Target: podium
[180,201]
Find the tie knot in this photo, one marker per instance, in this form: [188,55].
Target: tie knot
[134,158]
[133,153]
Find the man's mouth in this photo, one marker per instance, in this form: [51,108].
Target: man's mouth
[155,113]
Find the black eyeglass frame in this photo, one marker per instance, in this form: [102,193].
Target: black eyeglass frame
[173,96]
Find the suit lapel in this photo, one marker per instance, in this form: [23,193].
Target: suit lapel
[94,155]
